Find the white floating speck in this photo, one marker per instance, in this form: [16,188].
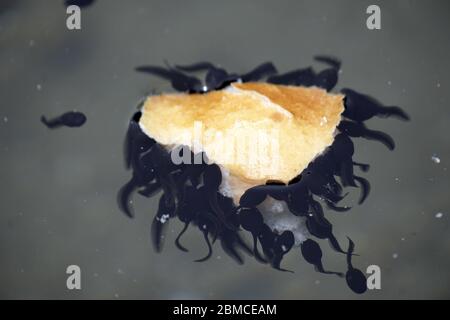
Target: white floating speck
[5,119]
[395,255]
[435,159]
[439,215]
[389,82]
[438,85]
[163,218]
[39,87]
[31,43]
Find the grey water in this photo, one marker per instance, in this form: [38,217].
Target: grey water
[58,187]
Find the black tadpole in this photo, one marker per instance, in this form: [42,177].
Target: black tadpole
[331,61]
[252,221]
[159,224]
[312,253]
[208,243]
[212,177]
[179,80]
[70,119]
[300,77]
[191,193]
[216,78]
[261,71]
[252,197]
[283,243]
[360,107]
[177,240]
[359,130]
[356,280]
[327,79]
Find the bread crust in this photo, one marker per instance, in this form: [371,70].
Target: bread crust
[300,121]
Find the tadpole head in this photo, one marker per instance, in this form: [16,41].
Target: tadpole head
[311,251]
[250,219]
[356,280]
[74,119]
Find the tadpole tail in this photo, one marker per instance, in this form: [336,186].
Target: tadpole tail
[394,111]
[381,137]
[243,245]
[150,190]
[331,61]
[177,240]
[220,214]
[51,124]
[365,188]
[256,251]
[335,244]
[231,251]
[263,70]
[336,208]
[124,197]
[351,248]
[319,268]
[209,254]
[363,166]
[211,218]
[157,234]
[346,173]
[276,263]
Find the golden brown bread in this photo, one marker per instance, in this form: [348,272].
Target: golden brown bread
[254,131]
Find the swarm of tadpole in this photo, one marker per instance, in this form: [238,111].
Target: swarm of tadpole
[190,192]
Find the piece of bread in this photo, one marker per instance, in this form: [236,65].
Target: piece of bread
[255,131]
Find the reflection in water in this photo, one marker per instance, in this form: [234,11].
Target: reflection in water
[190,192]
